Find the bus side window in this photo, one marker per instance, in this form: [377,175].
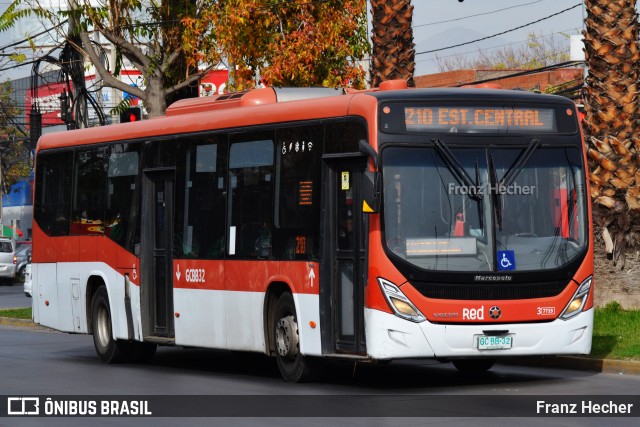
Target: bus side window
[251,176]
[52,208]
[200,197]
[299,166]
[121,218]
[89,198]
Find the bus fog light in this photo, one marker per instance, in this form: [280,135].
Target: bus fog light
[578,301]
[399,303]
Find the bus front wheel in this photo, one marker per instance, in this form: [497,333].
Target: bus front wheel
[293,366]
[109,350]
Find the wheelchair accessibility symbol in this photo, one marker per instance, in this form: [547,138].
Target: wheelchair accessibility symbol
[506,260]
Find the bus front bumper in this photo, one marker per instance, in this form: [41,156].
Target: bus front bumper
[390,337]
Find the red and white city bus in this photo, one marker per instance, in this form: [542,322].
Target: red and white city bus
[307,224]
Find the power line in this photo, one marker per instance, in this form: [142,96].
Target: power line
[566,64]
[477,14]
[501,33]
[544,36]
[33,36]
[17,65]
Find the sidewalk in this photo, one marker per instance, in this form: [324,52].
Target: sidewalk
[607,366]
[9,321]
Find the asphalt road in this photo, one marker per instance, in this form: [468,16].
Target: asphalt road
[13,296]
[46,363]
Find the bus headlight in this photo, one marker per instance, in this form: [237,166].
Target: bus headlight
[399,303]
[578,301]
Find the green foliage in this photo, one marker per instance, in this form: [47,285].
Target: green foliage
[147,34]
[616,333]
[121,107]
[17,313]
[18,57]
[20,9]
[613,307]
[287,44]
[12,14]
[168,41]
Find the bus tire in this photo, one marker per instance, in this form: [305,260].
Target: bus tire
[109,350]
[473,366]
[294,367]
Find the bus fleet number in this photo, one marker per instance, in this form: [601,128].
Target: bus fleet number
[195,275]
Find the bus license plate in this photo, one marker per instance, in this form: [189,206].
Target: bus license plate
[503,342]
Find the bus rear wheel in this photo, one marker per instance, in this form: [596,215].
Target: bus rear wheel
[294,367]
[109,350]
[473,366]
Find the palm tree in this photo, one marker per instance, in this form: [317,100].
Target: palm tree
[612,123]
[393,52]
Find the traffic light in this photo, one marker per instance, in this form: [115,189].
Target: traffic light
[131,114]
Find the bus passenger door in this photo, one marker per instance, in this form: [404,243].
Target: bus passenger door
[157,253]
[344,254]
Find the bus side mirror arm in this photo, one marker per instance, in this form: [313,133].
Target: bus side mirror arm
[367,149]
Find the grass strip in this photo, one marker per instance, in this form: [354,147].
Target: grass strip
[17,313]
[616,333]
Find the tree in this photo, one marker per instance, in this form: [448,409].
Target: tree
[612,120]
[174,43]
[147,34]
[14,152]
[283,43]
[538,51]
[393,55]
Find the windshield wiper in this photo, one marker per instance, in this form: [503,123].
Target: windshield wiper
[495,195]
[459,173]
[518,165]
[479,200]
[509,177]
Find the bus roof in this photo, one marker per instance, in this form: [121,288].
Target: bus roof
[470,93]
[273,105]
[191,116]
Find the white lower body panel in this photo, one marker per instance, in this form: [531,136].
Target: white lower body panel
[390,337]
[234,320]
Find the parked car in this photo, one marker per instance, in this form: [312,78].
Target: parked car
[22,257]
[27,280]
[7,260]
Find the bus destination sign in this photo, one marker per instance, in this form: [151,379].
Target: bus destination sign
[479,119]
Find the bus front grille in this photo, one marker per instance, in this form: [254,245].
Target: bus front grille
[490,291]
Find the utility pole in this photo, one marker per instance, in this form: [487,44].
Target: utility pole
[73,60]
[35,126]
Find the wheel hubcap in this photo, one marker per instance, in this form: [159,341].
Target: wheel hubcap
[103,328]
[287,337]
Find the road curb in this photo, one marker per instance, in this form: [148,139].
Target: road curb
[9,321]
[608,366]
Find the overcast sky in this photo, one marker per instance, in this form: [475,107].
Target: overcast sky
[442,23]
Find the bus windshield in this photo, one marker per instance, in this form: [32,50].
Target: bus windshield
[485,209]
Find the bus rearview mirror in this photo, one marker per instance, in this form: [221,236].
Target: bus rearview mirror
[371,192]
